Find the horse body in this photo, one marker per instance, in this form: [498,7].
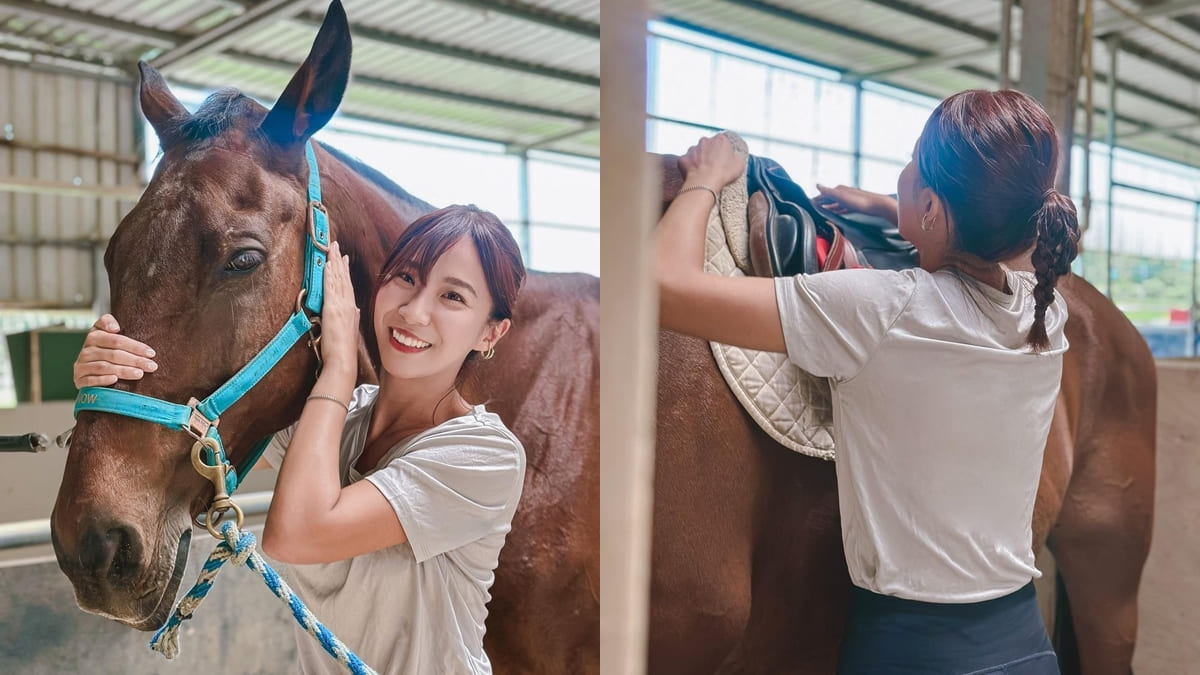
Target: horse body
[748,573]
[231,184]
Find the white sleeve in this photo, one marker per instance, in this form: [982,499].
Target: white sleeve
[277,447]
[833,321]
[454,489]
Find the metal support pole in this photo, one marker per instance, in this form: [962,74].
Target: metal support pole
[1192,315]
[1005,43]
[628,349]
[856,139]
[1089,66]
[523,206]
[1114,43]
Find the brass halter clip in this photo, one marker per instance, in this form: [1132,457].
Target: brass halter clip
[215,474]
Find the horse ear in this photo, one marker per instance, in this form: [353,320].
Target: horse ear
[315,91]
[159,105]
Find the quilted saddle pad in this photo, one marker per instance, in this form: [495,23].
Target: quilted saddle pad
[791,405]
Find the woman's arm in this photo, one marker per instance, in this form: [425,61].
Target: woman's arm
[738,311]
[313,519]
[845,199]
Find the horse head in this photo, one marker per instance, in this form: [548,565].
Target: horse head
[205,268]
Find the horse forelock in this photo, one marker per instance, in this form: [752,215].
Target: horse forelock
[223,110]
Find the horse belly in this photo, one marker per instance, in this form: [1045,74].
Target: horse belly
[748,573]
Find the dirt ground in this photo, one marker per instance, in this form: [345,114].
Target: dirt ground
[1169,601]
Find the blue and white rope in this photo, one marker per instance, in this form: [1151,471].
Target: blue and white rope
[240,548]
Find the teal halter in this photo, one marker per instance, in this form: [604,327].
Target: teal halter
[200,418]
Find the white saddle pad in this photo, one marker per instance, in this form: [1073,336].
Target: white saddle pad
[792,406]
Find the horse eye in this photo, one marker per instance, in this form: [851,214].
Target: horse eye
[244,260]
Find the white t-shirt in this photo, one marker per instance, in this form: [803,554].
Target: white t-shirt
[940,416]
[419,607]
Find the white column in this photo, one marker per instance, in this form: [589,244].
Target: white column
[628,345]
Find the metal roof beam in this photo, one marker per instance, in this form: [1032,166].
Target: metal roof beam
[50,62]
[1148,130]
[830,27]
[926,14]
[518,148]
[421,90]
[460,53]
[1141,92]
[41,10]
[535,14]
[1110,25]
[1135,49]
[223,35]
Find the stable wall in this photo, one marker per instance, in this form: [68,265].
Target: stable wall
[1169,601]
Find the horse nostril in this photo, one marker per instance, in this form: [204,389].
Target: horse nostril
[112,553]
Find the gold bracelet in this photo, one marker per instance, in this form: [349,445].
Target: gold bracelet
[331,398]
[711,191]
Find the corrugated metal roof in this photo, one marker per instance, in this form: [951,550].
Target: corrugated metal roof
[1158,78]
[520,72]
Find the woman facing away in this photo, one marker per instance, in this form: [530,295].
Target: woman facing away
[944,379]
[392,501]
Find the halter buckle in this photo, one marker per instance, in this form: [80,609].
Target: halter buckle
[198,425]
[313,207]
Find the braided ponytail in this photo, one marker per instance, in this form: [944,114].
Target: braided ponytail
[1057,245]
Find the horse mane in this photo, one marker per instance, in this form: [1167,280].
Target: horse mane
[219,112]
[378,178]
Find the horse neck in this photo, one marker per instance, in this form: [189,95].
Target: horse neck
[365,219]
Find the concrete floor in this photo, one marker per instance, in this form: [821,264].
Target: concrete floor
[240,628]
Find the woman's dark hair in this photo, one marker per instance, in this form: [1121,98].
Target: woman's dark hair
[992,158]
[431,235]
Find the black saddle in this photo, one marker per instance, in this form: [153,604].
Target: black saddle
[785,227]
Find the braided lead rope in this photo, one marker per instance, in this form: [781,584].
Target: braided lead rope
[240,548]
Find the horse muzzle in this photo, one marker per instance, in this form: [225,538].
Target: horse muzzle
[115,575]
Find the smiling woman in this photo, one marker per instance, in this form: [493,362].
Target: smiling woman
[417,463]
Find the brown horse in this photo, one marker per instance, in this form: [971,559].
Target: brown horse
[232,180]
[748,574]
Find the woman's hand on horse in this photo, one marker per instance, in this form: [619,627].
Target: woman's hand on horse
[845,199]
[713,163]
[339,315]
[108,356]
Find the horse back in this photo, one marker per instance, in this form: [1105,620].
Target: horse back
[1109,367]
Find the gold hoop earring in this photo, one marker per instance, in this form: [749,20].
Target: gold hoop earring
[488,354]
[925,224]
